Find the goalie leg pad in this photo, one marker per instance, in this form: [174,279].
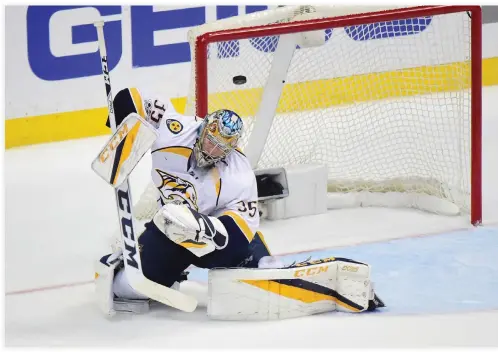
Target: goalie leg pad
[104,277]
[303,289]
[110,281]
[122,288]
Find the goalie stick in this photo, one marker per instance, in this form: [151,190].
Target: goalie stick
[131,252]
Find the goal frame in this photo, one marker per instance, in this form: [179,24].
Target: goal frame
[201,69]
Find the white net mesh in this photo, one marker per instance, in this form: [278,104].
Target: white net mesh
[386,106]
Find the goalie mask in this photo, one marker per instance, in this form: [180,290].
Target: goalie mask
[219,134]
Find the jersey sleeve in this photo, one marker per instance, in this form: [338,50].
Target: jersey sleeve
[241,215]
[133,100]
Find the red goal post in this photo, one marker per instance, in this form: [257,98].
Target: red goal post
[277,29]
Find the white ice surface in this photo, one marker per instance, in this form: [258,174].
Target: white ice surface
[59,215]
[68,317]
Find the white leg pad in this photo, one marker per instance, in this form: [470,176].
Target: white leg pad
[303,289]
[104,276]
[122,288]
[108,286]
[129,300]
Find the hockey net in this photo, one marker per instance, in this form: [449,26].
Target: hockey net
[388,99]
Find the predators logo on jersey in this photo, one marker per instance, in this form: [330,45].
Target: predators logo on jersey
[174,126]
[173,188]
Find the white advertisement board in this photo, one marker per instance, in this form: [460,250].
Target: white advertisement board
[53,64]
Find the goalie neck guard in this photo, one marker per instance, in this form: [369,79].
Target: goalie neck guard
[219,134]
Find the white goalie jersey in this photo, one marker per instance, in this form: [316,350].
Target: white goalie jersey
[228,191]
[228,188]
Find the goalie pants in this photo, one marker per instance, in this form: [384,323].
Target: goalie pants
[163,261]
